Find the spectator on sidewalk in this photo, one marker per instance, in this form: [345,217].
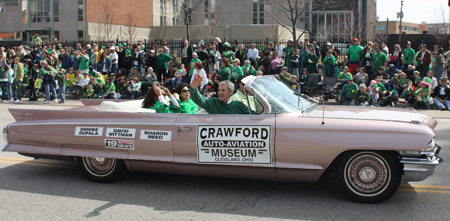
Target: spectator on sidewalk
[348,92]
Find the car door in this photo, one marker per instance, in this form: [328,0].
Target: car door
[217,143]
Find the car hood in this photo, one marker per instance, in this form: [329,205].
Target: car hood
[407,115]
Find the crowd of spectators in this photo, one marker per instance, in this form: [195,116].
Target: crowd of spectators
[368,75]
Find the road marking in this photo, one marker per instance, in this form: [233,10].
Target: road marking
[36,161]
[30,162]
[425,186]
[423,191]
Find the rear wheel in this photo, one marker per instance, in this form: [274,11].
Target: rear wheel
[368,176]
[103,170]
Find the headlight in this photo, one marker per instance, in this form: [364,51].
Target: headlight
[5,133]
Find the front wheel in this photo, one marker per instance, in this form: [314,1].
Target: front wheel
[368,176]
[102,170]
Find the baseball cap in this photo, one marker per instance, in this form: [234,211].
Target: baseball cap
[113,48]
[284,68]
[355,39]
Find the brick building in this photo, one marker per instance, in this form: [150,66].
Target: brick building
[75,20]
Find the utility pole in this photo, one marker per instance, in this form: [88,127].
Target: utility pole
[401,28]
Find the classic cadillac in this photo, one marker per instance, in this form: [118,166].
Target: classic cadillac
[293,139]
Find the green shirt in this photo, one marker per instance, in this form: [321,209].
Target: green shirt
[286,78]
[236,72]
[228,55]
[84,63]
[224,72]
[110,87]
[215,106]
[162,59]
[191,64]
[345,76]
[408,55]
[355,52]
[288,52]
[61,79]
[187,107]
[378,60]
[349,90]
[160,107]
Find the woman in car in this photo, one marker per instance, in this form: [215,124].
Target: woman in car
[186,105]
[155,99]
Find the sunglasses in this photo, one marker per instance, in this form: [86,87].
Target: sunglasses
[184,91]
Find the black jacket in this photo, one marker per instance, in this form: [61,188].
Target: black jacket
[437,91]
[139,58]
[188,52]
[152,62]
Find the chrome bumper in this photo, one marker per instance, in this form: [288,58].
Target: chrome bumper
[419,168]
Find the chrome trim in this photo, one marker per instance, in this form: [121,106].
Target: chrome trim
[5,133]
[5,146]
[92,123]
[419,168]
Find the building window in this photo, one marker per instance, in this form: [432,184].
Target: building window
[407,28]
[80,35]
[10,36]
[415,29]
[80,10]
[56,10]
[175,12]
[40,11]
[258,12]
[24,12]
[162,17]
[381,27]
[206,3]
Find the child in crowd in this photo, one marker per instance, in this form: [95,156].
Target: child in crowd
[295,86]
[433,80]
[374,92]
[89,92]
[424,94]
[415,78]
[408,92]
[393,84]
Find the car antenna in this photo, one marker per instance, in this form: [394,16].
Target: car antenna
[323,111]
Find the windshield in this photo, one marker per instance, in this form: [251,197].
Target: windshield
[282,98]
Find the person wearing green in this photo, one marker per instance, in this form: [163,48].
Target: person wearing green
[255,105]
[162,60]
[348,92]
[236,70]
[110,89]
[262,47]
[408,56]
[329,62]
[221,105]
[379,59]
[310,61]
[344,76]
[61,78]
[99,78]
[284,75]
[186,105]
[362,98]
[192,63]
[227,52]
[289,52]
[154,99]
[37,41]
[84,62]
[354,53]
[224,69]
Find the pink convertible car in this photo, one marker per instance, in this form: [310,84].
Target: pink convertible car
[292,139]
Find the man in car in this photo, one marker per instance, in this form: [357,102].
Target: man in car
[221,105]
[240,96]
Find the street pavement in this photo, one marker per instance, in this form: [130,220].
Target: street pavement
[56,190]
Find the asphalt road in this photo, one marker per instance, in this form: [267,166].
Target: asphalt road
[56,190]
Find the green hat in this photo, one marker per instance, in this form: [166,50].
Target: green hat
[346,67]
[26,46]
[134,68]
[128,51]
[350,79]
[416,72]
[120,45]
[103,47]
[143,47]
[426,81]
[125,44]
[72,49]
[49,51]
[226,44]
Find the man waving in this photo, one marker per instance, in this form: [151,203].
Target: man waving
[221,105]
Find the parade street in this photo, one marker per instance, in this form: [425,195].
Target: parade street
[40,189]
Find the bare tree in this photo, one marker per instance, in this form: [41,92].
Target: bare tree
[131,23]
[293,10]
[440,26]
[186,8]
[158,32]
[271,32]
[212,26]
[106,20]
[346,27]
[194,31]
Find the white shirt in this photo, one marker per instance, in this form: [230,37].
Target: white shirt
[423,54]
[252,53]
[280,51]
[84,82]
[442,92]
[201,73]
[137,55]
[114,56]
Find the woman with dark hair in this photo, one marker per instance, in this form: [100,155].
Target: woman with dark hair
[186,105]
[32,76]
[155,99]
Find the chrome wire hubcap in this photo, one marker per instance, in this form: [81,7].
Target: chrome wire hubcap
[99,166]
[367,174]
